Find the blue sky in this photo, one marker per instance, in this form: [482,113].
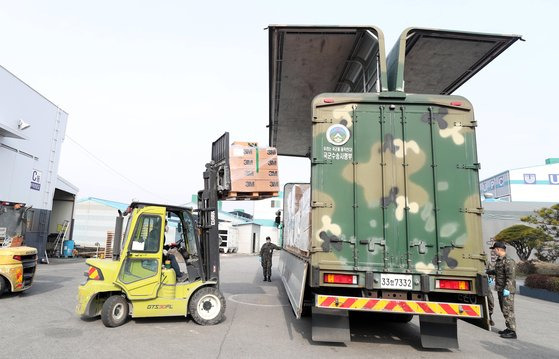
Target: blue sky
[149,85]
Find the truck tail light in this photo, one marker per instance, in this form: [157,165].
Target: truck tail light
[340,278]
[452,284]
[17,258]
[94,274]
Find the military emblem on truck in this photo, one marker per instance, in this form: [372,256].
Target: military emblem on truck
[337,135]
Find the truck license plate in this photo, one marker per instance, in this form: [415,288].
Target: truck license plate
[396,281]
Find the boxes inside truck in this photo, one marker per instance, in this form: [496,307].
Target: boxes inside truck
[297,217]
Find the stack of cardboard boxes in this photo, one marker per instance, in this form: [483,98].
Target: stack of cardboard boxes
[297,218]
[253,169]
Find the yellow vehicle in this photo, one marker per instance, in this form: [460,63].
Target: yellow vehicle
[17,268]
[138,281]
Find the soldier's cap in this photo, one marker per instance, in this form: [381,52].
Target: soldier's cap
[268,238]
[498,245]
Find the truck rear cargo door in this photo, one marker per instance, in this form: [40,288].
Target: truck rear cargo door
[395,185]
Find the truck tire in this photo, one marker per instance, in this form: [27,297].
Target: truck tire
[3,285]
[115,311]
[207,306]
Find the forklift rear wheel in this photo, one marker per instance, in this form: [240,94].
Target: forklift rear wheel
[207,306]
[115,311]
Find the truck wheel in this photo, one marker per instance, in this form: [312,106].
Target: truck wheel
[207,306]
[2,285]
[115,311]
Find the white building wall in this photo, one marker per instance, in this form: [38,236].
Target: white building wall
[271,232]
[267,208]
[246,234]
[536,184]
[92,221]
[30,163]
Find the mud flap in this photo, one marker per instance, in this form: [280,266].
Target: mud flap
[438,332]
[330,325]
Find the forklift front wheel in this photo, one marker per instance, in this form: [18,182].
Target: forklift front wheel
[3,285]
[115,311]
[207,306]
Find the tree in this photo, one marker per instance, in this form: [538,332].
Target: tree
[547,220]
[523,238]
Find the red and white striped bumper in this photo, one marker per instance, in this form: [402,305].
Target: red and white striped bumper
[400,306]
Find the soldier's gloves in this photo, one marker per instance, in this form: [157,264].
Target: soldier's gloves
[506,293]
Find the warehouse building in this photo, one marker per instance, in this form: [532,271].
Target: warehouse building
[529,184]
[32,130]
[516,193]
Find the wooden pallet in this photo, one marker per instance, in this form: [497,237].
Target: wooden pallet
[109,245]
[250,195]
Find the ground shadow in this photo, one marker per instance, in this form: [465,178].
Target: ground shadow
[375,328]
[43,283]
[511,348]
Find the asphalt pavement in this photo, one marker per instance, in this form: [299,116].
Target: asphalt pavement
[259,323]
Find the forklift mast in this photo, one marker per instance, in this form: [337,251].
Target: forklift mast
[208,221]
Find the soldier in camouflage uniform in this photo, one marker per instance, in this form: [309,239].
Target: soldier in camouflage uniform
[266,258]
[505,285]
[490,298]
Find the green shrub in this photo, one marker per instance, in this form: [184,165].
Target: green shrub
[542,281]
[546,268]
[554,284]
[525,268]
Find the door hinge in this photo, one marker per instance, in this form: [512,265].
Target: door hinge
[472,210]
[316,161]
[321,205]
[371,243]
[421,246]
[481,256]
[471,124]
[476,166]
[316,120]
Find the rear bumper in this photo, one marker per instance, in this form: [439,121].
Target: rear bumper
[20,277]
[396,306]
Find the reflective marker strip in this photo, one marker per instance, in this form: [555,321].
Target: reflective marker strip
[399,306]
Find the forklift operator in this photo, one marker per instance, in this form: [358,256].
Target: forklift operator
[152,243]
[171,257]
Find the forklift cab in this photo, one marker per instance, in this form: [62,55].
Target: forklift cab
[136,280]
[142,266]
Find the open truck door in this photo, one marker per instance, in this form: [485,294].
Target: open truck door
[305,61]
[429,61]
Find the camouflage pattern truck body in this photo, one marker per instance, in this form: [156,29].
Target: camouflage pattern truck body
[394,209]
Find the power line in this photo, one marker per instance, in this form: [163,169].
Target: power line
[112,169]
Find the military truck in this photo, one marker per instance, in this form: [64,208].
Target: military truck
[390,221]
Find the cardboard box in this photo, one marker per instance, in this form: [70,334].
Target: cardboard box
[253,169]
[254,185]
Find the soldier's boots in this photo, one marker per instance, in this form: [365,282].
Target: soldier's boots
[509,335]
[504,331]
[265,279]
[269,279]
[491,322]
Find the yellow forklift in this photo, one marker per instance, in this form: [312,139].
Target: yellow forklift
[139,280]
[17,262]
